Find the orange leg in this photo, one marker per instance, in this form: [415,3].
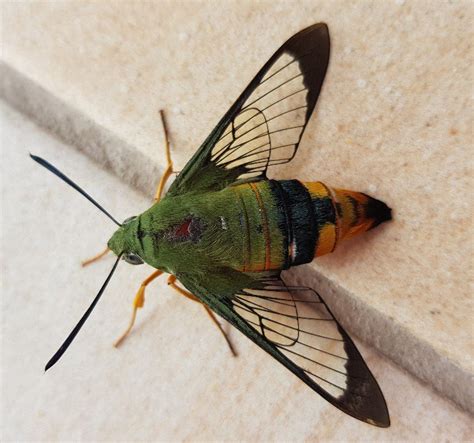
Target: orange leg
[138,302]
[171,282]
[169,168]
[95,258]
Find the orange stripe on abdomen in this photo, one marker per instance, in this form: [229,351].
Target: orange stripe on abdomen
[325,217]
[353,213]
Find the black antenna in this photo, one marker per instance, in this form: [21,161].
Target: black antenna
[57,172]
[81,322]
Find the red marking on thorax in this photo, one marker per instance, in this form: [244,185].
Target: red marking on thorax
[183,229]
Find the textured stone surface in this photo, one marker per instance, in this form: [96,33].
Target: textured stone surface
[173,379]
[393,120]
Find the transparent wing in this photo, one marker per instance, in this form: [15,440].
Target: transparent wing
[269,126]
[295,326]
[266,123]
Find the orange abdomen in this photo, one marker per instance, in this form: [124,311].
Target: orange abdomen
[342,214]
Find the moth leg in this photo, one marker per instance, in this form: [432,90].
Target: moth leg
[169,168]
[95,257]
[171,282]
[138,302]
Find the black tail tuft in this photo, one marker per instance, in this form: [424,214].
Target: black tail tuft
[378,211]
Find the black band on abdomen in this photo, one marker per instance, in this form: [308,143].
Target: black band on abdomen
[301,226]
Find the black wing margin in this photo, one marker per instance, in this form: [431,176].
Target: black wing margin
[296,327]
[265,125]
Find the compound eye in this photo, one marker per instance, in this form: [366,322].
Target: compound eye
[129,219]
[133,259]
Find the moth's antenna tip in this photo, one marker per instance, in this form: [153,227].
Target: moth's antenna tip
[66,179]
[48,365]
[36,158]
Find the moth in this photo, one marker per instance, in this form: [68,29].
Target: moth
[226,231]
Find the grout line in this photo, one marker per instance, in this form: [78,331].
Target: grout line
[114,154]
[74,128]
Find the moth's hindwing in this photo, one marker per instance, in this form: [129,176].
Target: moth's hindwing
[264,126]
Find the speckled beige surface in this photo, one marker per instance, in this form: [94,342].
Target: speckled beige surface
[393,120]
[174,378]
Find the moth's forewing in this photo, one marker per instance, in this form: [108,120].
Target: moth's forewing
[265,124]
[294,325]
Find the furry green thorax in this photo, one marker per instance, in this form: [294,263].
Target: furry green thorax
[193,232]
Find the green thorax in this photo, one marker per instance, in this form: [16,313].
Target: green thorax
[201,231]
[184,233]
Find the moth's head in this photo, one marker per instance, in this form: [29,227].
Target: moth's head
[122,241]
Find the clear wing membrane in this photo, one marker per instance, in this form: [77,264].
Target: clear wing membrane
[266,123]
[298,323]
[270,124]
